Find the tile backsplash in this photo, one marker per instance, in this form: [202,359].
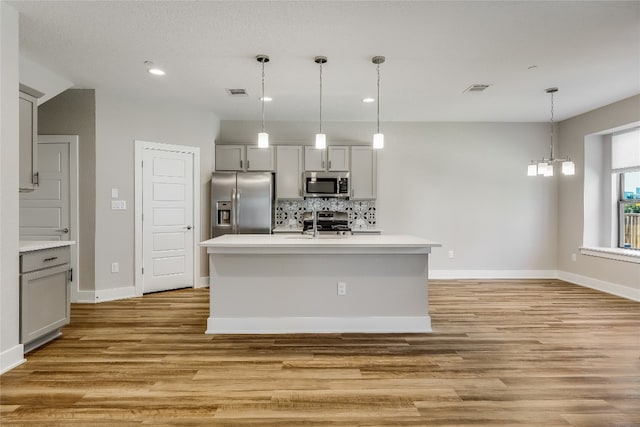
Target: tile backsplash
[362,213]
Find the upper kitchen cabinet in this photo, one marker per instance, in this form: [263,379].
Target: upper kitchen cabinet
[314,159]
[335,158]
[289,172]
[364,173]
[28,137]
[230,157]
[338,158]
[261,159]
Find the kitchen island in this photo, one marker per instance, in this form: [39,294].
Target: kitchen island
[297,284]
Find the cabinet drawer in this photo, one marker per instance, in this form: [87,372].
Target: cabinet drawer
[44,302]
[36,260]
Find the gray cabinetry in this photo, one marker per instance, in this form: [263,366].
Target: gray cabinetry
[289,172]
[28,137]
[230,157]
[261,159]
[44,295]
[364,173]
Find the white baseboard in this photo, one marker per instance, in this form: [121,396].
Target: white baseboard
[83,297]
[115,294]
[492,274]
[601,285]
[202,283]
[296,325]
[11,358]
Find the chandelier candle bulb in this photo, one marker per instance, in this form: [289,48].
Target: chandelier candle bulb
[568,168]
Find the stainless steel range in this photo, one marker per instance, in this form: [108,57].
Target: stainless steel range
[328,222]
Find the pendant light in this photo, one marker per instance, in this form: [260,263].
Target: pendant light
[321,138]
[378,138]
[544,166]
[263,137]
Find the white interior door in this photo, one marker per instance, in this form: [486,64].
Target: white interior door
[44,212]
[167,220]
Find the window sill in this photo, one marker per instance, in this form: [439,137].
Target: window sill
[618,254]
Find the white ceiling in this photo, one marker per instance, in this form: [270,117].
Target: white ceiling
[434,50]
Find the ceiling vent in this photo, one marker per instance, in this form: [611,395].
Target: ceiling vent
[237,92]
[476,88]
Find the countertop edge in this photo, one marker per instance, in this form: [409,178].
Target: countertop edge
[38,245]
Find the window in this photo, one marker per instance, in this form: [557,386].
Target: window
[625,162]
[629,210]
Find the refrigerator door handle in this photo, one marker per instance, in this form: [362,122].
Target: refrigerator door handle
[234,209]
[238,211]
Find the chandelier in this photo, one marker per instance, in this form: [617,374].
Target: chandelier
[544,166]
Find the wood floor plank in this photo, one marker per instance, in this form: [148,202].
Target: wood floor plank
[502,353]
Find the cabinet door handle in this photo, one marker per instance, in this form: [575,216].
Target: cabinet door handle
[248,164]
[322,164]
[63,230]
[329,164]
[36,178]
[240,164]
[53,258]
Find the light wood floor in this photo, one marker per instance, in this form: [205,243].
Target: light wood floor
[503,353]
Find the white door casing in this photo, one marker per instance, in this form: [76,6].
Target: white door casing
[50,212]
[167,216]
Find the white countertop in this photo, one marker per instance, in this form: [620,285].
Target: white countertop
[38,245]
[325,244]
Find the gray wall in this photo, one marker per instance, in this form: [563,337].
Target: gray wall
[573,134]
[73,112]
[120,120]
[10,348]
[461,184]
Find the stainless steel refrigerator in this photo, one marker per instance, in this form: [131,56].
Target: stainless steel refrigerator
[241,203]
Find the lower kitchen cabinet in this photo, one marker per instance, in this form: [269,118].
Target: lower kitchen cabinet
[44,295]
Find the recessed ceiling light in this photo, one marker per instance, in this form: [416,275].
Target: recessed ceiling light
[266,99]
[151,69]
[156,71]
[368,100]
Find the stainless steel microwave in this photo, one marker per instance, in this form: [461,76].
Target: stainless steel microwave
[326,184]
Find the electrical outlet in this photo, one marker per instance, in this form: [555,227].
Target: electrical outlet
[450,254]
[342,288]
[573,257]
[115,267]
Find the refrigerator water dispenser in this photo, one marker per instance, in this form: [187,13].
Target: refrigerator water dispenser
[224,213]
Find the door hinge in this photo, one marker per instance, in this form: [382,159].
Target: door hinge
[71,274]
[142,270]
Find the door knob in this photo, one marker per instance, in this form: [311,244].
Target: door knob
[63,230]
[188,227]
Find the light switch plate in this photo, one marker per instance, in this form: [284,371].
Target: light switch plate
[117,205]
[114,193]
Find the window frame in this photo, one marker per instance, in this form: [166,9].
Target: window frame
[622,201]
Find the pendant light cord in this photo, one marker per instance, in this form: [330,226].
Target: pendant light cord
[263,96]
[320,96]
[551,128]
[378,68]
